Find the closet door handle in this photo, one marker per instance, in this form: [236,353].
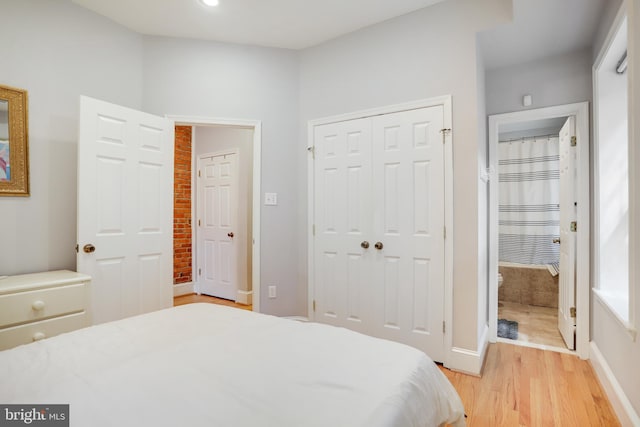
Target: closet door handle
[230,234]
[364,245]
[556,240]
[379,245]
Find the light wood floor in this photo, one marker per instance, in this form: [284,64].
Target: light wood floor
[520,386]
[538,325]
[191,298]
[523,386]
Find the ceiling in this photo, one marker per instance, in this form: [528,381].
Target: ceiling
[292,24]
[542,28]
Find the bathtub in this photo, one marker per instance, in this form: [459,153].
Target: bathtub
[528,284]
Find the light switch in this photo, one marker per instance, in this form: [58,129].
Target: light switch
[270,199]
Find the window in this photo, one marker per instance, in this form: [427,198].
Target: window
[612,174]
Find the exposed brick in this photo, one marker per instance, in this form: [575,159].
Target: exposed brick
[182,206]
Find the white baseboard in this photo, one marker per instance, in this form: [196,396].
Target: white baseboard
[244,297]
[619,401]
[469,361]
[183,289]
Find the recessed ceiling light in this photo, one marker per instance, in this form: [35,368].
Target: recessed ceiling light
[210,2]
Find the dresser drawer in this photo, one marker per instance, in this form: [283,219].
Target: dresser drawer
[40,304]
[25,334]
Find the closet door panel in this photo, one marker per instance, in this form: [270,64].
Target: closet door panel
[408,200]
[342,216]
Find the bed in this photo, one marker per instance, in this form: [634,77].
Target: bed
[209,365]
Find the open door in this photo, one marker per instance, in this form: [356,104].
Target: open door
[567,291]
[125,216]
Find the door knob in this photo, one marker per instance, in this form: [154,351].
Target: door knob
[89,248]
[378,245]
[230,234]
[364,245]
[556,240]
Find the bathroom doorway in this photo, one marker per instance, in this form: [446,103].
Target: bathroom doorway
[532,285]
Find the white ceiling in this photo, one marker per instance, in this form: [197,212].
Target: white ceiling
[292,24]
[542,28]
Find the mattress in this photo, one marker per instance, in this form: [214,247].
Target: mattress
[209,365]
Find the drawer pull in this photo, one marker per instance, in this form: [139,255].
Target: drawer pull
[38,336]
[38,305]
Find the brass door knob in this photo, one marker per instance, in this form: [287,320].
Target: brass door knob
[89,248]
[364,245]
[230,234]
[378,245]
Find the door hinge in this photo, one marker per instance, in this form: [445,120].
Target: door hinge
[444,229]
[77,248]
[313,230]
[199,174]
[444,327]
[572,311]
[574,141]
[312,150]
[574,226]
[444,132]
[198,223]
[314,305]
[199,272]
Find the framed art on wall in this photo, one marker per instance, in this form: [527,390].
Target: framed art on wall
[14,145]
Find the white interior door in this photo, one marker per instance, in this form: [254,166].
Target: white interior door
[125,209]
[217,225]
[343,220]
[380,181]
[567,290]
[408,201]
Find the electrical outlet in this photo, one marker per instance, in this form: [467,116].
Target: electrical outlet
[272,291]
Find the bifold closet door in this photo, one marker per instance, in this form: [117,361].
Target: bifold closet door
[408,221]
[379,224]
[343,221]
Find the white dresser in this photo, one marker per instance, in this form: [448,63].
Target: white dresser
[41,305]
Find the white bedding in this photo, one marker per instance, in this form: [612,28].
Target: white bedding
[207,365]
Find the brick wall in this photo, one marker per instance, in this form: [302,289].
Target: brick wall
[182,207]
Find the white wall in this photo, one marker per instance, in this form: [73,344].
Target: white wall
[213,139]
[428,53]
[551,81]
[483,198]
[57,51]
[208,79]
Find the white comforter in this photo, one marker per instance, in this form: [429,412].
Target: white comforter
[207,365]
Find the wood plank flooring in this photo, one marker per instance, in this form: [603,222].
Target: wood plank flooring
[538,325]
[523,386]
[192,298]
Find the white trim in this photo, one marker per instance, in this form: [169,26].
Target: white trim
[446,103]
[601,297]
[581,112]
[183,289]
[618,399]
[535,345]
[469,361]
[257,163]
[244,297]
[619,20]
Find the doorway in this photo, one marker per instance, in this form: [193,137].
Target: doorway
[538,129]
[216,136]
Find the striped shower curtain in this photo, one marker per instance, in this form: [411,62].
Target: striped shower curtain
[529,217]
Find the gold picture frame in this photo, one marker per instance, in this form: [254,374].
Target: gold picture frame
[14,144]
